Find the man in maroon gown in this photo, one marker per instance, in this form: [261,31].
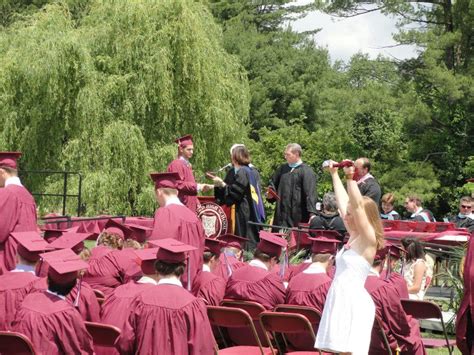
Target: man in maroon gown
[167,319]
[389,274]
[231,257]
[82,296]
[465,315]
[17,209]
[122,297]
[186,185]
[174,220]
[17,283]
[402,331]
[206,285]
[310,287]
[47,319]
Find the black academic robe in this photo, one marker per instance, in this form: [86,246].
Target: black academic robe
[296,188]
[466,222]
[371,188]
[328,222]
[237,192]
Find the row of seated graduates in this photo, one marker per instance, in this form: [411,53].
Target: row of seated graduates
[308,283]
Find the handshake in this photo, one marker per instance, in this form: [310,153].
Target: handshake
[205,187]
[218,182]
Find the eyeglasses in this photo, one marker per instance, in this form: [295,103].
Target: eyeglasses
[467,207]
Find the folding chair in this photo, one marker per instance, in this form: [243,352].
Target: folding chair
[253,309]
[99,294]
[284,324]
[378,331]
[313,316]
[425,310]
[227,317]
[103,335]
[13,343]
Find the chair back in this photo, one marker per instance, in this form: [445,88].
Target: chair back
[15,343]
[421,309]
[310,313]
[252,308]
[379,332]
[99,294]
[103,334]
[229,317]
[286,323]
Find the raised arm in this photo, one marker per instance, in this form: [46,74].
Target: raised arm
[361,222]
[342,199]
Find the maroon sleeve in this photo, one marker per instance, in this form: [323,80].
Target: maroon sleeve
[9,213]
[186,184]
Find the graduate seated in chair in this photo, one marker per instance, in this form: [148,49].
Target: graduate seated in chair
[207,285]
[402,331]
[231,257]
[51,322]
[166,318]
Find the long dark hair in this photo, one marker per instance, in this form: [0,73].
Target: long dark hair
[414,249]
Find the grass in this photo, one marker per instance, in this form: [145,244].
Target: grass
[442,351]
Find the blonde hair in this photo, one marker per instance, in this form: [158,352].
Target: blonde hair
[373,215]
[388,198]
[110,240]
[85,254]
[132,244]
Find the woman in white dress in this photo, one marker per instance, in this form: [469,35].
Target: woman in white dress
[349,311]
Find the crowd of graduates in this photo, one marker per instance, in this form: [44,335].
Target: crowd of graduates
[157,282]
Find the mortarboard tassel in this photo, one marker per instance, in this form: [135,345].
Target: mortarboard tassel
[389,268]
[229,269]
[284,264]
[76,301]
[188,286]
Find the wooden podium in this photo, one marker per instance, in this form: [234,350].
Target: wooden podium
[216,219]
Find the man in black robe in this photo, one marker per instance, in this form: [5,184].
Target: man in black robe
[295,185]
[368,186]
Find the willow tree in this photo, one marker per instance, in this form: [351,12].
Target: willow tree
[107,94]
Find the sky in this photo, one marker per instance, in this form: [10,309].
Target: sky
[344,37]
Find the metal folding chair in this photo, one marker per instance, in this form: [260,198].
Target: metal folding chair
[426,310]
[227,317]
[13,343]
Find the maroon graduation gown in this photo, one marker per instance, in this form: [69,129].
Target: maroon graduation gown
[52,325]
[120,299]
[187,187]
[398,283]
[17,214]
[308,290]
[399,328]
[221,269]
[209,287]
[88,306]
[110,268]
[179,222]
[167,319]
[250,283]
[14,286]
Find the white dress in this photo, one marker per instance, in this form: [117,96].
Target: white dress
[349,311]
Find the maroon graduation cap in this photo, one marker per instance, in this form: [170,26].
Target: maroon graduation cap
[165,180]
[213,245]
[233,241]
[30,245]
[52,234]
[118,229]
[184,140]
[271,244]
[171,250]
[63,265]
[71,240]
[9,159]
[147,259]
[139,233]
[323,245]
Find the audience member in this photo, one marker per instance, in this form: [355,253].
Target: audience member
[388,201]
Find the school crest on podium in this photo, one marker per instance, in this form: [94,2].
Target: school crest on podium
[214,219]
